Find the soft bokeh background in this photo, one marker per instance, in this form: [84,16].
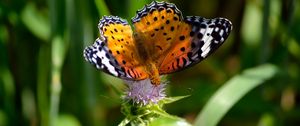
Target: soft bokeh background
[43,71]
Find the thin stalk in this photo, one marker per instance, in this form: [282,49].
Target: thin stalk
[58,56]
[58,49]
[42,82]
[55,96]
[101,7]
[265,33]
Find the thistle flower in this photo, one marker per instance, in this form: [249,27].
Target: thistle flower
[144,103]
[143,92]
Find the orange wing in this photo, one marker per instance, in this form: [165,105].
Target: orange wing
[156,27]
[115,52]
[174,43]
[197,41]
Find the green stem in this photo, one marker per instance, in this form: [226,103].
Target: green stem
[101,7]
[265,33]
[55,96]
[42,82]
[58,55]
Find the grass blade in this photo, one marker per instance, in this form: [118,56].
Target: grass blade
[232,92]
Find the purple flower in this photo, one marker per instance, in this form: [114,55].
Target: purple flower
[143,92]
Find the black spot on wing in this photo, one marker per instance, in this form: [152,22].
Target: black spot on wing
[160,6]
[181,38]
[182,49]
[159,47]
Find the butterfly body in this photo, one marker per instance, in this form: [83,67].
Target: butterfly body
[161,42]
[147,60]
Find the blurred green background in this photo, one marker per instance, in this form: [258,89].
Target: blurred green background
[44,76]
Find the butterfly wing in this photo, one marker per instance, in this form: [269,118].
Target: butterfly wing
[156,26]
[114,51]
[200,39]
[175,43]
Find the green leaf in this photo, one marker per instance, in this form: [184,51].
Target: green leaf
[142,115]
[59,49]
[36,22]
[232,91]
[252,18]
[168,100]
[102,8]
[67,120]
[164,121]
[3,118]
[267,119]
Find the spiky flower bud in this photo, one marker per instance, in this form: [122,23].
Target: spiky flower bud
[143,92]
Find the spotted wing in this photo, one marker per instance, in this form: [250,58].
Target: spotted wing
[156,27]
[114,51]
[198,40]
[175,43]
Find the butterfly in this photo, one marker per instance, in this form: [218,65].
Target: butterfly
[161,42]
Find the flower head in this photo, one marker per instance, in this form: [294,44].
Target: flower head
[144,103]
[143,92]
